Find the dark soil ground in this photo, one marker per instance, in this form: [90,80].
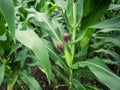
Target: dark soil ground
[40,76]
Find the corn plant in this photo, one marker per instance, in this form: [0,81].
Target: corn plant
[71,42]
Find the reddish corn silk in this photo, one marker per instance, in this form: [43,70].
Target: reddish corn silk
[60,46]
[66,37]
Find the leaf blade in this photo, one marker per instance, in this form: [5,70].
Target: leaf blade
[78,85]
[44,21]
[30,81]
[113,23]
[7,8]
[93,10]
[2,70]
[32,41]
[101,71]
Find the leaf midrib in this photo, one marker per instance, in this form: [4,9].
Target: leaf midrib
[103,69]
[50,27]
[29,80]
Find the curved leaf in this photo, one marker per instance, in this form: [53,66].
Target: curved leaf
[69,12]
[93,10]
[114,7]
[115,55]
[12,82]
[68,57]
[29,81]
[101,71]
[30,39]
[7,8]
[113,23]
[3,37]
[2,70]
[60,74]
[78,85]
[42,20]
[74,8]
[54,55]
[107,30]
[79,10]
[61,3]
[106,40]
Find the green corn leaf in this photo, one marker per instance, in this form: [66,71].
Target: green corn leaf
[93,10]
[54,55]
[14,48]
[78,85]
[2,24]
[83,52]
[115,55]
[57,59]
[61,4]
[52,9]
[69,12]
[110,62]
[106,40]
[60,74]
[114,7]
[74,8]
[44,9]
[85,40]
[7,8]
[29,81]
[68,57]
[107,30]
[2,70]
[87,7]
[92,13]
[30,39]
[40,5]
[101,71]
[3,37]
[12,82]
[113,23]
[80,37]
[1,50]
[79,10]
[42,20]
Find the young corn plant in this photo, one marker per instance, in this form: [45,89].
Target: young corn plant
[68,43]
[71,41]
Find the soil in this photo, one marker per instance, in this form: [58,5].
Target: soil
[3,87]
[41,78]
[94,82]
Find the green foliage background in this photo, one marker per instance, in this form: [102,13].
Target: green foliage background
[32,33]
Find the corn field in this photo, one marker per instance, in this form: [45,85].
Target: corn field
[59,44]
